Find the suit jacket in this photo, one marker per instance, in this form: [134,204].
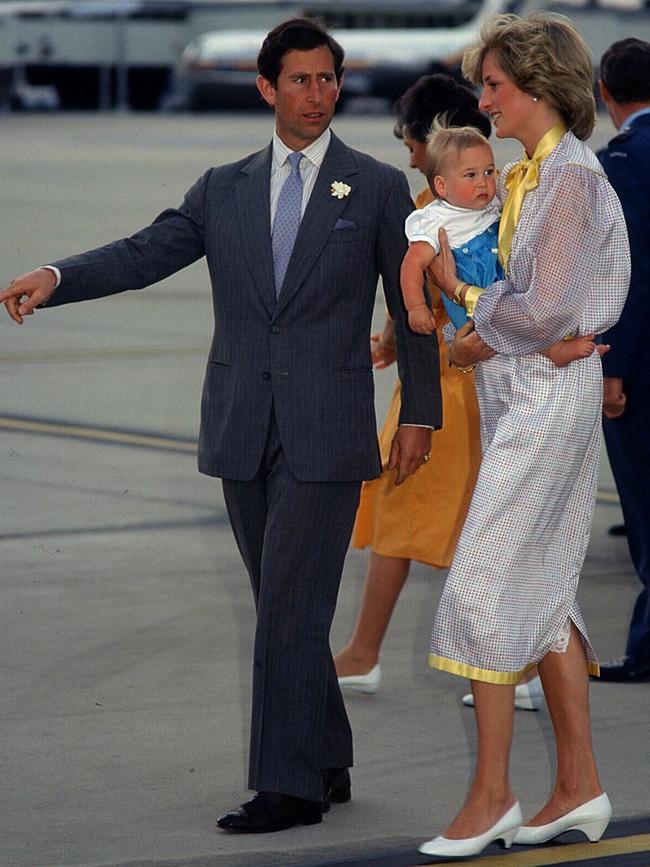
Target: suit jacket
[626,161]
[305,355]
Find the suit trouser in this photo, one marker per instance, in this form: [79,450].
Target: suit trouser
[628,447]
[293,537]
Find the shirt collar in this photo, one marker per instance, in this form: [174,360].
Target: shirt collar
[315,152]
[630,120]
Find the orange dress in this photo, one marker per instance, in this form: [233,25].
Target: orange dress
[422,518]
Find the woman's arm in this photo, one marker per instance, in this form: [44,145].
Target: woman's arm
[467,348]
[382,346]
[572,266]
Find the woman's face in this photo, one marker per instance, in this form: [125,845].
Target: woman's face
[510,108]
[417,150]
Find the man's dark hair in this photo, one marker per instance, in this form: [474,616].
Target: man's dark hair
[625,70]
[296,34]
[434,95]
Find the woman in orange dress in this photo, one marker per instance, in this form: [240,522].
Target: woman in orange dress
[420,519]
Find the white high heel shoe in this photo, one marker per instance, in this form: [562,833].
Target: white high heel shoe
[528,696]
[504,829]
[366,683]
[591,818]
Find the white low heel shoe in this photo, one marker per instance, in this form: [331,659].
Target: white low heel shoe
[366,683]
[528,696]
[505,829]
[591,818]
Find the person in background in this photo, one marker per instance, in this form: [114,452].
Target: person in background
[625,89]
[422,518]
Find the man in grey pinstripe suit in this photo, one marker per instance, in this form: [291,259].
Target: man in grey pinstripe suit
[287,417]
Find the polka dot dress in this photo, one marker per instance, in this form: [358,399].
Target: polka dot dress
[511,589]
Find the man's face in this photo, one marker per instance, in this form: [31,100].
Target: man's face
[305,96]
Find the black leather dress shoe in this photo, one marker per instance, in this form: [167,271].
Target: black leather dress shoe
[270,811]
[626,670]
[337,787]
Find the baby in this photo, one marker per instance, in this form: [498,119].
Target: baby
[462,177]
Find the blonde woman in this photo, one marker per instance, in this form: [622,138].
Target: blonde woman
[509,602]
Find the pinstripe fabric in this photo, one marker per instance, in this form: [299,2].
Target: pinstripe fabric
[299,722]
[307,353]
[288,402]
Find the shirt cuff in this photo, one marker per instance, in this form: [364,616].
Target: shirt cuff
[472,294]
[56,273]
[425,426]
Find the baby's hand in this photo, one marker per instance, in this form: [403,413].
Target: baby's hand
[421,320]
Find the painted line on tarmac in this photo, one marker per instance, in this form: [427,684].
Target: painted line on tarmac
[213,520]
[123,354]
[97,434]
[570,853]
[142,440]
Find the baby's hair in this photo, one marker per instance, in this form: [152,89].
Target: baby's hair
[445,141]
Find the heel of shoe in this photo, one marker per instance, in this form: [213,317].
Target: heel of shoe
[593,830]
[341,794]
[312,813]
[507,838]
[337,787]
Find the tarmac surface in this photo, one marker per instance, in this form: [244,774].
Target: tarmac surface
[126,619]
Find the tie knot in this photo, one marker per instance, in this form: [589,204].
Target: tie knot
[294,159]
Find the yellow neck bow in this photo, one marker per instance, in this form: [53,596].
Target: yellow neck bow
[523,177]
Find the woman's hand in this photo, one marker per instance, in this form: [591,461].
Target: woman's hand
[468,348]
[442,269]
[382,346]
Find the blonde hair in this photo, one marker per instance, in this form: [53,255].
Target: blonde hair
[445,142]
[545,56]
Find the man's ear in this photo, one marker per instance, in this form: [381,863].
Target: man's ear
[340,85]
[604,93]
[266,89]
[439,186]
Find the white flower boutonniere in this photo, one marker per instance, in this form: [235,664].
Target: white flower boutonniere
[340,190]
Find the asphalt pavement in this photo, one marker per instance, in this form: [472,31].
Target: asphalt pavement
[126,623]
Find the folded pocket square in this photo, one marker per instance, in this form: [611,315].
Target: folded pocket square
[345,224]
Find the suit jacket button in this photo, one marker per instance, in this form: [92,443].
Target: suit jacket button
[266,375]
[275,329]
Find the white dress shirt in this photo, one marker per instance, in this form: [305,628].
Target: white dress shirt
[313,154]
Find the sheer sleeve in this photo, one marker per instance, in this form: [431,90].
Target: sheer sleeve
[569,266]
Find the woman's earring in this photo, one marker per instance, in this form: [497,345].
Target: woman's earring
[534,99]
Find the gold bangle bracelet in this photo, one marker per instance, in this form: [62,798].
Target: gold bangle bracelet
[468,369]
[457,293]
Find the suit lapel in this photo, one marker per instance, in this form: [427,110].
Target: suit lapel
[254,218]
[319,219]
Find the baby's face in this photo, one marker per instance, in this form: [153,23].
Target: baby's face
[469,179]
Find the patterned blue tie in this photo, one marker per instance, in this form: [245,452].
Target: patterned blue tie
[287,221]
